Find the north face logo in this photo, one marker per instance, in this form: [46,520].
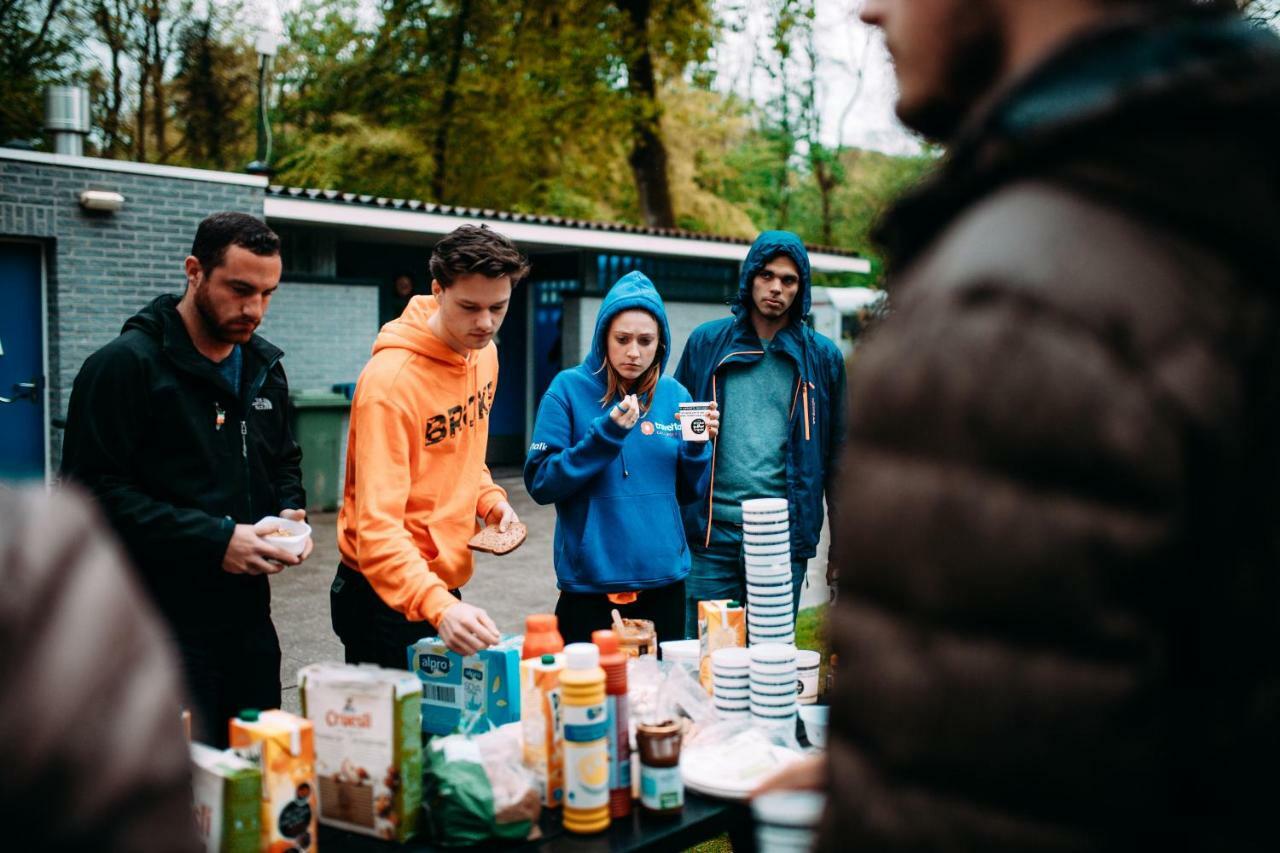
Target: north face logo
[262,404]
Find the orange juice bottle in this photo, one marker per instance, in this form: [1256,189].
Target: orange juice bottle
[614,664]
[541,636]
[586,747]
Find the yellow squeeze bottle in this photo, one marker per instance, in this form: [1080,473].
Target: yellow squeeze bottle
[586,749]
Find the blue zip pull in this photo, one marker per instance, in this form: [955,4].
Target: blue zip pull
[244,439]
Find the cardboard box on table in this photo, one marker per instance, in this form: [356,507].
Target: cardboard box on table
[227,798]
[484,687]
[281,745]
[368,736]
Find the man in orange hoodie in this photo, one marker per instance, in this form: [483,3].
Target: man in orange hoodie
[416,477]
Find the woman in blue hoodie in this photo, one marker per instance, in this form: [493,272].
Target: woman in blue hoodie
[607,452]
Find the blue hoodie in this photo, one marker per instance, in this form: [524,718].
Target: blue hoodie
[817,400]
[617,491]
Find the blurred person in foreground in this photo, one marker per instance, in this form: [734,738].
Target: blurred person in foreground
[180,429]
[1057,623]
[90,733]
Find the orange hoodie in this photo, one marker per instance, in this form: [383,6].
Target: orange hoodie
[416,477]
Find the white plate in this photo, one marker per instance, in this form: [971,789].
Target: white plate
[731,769]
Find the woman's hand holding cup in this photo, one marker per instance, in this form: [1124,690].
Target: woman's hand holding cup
[626,413]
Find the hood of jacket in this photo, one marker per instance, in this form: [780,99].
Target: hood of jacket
[633,290]
[769,245]
[410,332]
[159,319]
[1116,114]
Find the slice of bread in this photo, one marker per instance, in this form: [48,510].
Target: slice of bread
[491,541]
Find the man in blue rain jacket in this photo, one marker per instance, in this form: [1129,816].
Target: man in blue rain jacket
[780,388]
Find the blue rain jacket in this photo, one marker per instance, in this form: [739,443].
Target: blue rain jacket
[817,399]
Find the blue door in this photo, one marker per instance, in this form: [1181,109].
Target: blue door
[21,363]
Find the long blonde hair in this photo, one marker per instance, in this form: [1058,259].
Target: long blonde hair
[616,387]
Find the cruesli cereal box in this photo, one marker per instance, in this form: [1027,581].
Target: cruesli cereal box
[480,690]
[227,799]
[281,745]
[368,730]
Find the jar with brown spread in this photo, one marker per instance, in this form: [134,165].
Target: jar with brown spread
[661,787]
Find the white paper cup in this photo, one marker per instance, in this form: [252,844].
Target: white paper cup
[731,657]
[721,683]
[766,587]
[755,522]
[750,538]
[774,638]
[776,669]
[789,808]
[766,574]
[763,528]
[763,621]
[294,543]
[774,654]
[732,696]
[815,723]
[778,549]
[772,605]
[693,421]
[739,706]
[756,505]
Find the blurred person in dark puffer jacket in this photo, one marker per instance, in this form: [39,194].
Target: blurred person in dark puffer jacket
[1059,612]
[92,755]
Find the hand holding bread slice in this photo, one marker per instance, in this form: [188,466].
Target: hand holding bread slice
[492,541]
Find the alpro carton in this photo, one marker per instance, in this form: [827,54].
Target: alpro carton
[481,689]
[368,732]
[227,798]
[281,745]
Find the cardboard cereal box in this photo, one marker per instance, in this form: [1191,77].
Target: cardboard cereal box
[368,733]
[281,745]
[227,797]
[484,687]
[719,626]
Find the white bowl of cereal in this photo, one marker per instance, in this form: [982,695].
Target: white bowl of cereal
[284,533]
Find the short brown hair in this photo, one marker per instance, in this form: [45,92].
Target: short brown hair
[231,228]
[476,249]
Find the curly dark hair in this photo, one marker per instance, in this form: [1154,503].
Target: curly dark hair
[231,228]
[476,249]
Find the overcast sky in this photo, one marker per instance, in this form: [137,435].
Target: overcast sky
[853,113]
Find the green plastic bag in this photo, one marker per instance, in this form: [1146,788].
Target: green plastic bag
[459,796]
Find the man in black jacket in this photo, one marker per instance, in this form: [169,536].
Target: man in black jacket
[1057,622]
[179,427]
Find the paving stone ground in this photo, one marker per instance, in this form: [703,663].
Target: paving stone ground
[507,587]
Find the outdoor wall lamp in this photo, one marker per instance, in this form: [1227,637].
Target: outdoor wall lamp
[266,45]
[104,200]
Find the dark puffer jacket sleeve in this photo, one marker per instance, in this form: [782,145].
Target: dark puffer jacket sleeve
[1023,477]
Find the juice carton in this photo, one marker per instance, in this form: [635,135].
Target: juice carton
[484,687]
[541,725]
[227,796]
[368,735]
[282,745]
[719,626]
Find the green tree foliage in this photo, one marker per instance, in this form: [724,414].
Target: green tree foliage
[593,109]
[36,50]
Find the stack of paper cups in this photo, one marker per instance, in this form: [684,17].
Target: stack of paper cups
[773,686]
[766,546]
[731,682]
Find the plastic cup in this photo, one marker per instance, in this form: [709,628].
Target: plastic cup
[815,723]
[754,505]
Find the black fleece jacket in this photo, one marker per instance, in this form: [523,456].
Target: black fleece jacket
[143,435]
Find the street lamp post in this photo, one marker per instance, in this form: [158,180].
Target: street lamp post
[266,45]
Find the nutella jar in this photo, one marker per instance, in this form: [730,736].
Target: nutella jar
[661,787]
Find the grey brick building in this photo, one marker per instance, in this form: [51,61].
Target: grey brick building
[70,276]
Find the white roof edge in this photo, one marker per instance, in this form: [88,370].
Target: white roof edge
[314,212]
[153,169]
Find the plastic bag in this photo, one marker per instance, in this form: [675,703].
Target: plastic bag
[476,789]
